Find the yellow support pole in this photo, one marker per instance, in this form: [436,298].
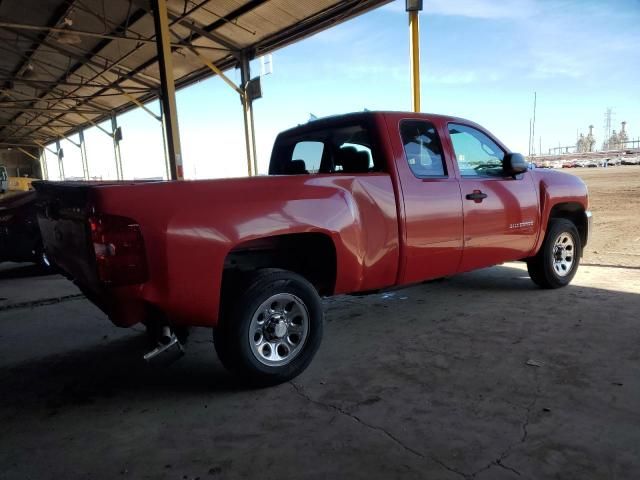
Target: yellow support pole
[168,90]
[414,34]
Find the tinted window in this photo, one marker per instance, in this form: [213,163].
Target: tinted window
[422,148]
[310,154]
[476,153]
[346,149]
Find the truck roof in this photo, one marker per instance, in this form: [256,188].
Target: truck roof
[368,115]
[365,116]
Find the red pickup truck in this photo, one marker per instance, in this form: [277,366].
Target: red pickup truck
[352,203]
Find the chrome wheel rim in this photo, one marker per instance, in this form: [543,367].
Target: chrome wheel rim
[564,254]
[279,329]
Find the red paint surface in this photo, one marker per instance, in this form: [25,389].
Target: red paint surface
[388,228]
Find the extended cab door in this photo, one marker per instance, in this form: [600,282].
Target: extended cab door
[501,217]
[430,197]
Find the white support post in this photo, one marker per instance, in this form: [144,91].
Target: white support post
[83,155]
[247,110]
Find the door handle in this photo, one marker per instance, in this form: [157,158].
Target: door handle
[477,196]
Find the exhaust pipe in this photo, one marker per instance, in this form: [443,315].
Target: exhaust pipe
[165,336]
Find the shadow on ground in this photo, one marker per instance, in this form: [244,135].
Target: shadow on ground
[23,270]
[478,376]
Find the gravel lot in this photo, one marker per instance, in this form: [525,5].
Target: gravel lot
[615,200]
[478,376]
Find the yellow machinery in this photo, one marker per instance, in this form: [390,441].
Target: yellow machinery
[20,184]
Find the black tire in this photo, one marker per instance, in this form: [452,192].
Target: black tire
[231,337]
[541,267]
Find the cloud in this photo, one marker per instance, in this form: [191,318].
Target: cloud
[483,9]
[580,42]
[461,77]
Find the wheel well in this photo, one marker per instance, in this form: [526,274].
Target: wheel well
[575,213]
[312,255]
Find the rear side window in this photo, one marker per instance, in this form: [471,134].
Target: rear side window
[307,157]
[346,149]
[422,148]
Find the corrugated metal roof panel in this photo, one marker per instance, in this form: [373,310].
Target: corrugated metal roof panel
[79,70]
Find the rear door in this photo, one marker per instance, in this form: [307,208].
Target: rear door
[431,199]
[501,217]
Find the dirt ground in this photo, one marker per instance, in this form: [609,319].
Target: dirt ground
[614,194]
[481,376]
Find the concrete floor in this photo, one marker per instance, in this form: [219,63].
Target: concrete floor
[479,376]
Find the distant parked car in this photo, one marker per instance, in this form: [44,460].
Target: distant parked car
[630,161]
[4,179]
[20,239]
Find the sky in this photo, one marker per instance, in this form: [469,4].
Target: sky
[480,59]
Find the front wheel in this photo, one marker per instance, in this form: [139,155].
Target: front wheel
[271,327]
[557,262]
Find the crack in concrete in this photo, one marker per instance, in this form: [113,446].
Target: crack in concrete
[447,467]
[329,406]
[41,302]
[501,464]
[498,462]
[298,389]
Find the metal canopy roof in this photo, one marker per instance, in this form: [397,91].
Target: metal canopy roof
[68,64]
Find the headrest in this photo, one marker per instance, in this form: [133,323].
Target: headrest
[353,161]
[296,167]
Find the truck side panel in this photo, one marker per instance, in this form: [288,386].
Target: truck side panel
[556,189]
[192,226]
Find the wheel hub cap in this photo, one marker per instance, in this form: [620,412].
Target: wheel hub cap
[278,330]
[563,254]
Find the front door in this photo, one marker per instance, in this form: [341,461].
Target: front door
[501,217]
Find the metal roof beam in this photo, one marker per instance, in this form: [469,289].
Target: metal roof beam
[122,27]
[83,33]
[60,13]
[61,125]
[32,82]
[60,110]
[324,19]
[233,15]
[135,71]
[14,144]
[87,59]
[191,25]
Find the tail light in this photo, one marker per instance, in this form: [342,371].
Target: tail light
[119,249]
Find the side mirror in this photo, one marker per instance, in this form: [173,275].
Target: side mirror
[515,163]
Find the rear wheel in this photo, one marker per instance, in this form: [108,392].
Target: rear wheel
[557,262]
[271,327]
